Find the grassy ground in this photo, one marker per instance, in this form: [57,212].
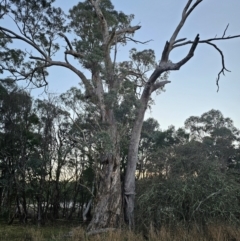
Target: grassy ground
[58,231]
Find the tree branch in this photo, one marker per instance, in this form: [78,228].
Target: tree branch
[70,51]
[208,197]
[101,18]
[165,66]
[208,41]
[136,41]
[189,55]
[80,74]
[186,12]
[129,30]
[16,36]
[4,9]
[159,85]
[179,40]
[74,53]
[87,189]
[225,30]
[223,64]
[67,40]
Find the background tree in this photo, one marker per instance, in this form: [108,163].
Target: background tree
[17,142]
[195,183]
[217,132]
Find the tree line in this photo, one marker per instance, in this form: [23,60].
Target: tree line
[51,159]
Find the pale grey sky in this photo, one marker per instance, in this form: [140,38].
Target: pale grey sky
[193,90]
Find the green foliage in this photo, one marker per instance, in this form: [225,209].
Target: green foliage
[126,103]
[38,24]
[201,197]
[192,178]
[85,24]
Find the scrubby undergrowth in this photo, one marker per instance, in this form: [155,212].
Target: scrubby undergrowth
[60,232]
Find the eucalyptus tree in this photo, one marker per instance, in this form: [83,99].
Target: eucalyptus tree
[156,148]
[98,30]
[17,142]
[52,154]
[194,174]
[217,133]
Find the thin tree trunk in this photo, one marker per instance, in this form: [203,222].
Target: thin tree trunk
[74,200]
[129,182]
[56,197]
[24,207]
[86,210]
[39,212]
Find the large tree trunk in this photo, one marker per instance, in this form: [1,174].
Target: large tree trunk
[107,210]
[108,202]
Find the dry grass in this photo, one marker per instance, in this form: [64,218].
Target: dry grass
[58,233]
[211,233]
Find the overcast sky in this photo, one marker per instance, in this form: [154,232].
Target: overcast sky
[193,89]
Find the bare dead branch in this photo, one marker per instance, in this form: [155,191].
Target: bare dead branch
[211,195]
[179,40]
[225,31]
[170,44]
[115,56]
[107,40]
[129,30]
[165,66]
[136,41]
[186,12]
[193,7]
[189,55]
[160,85]
[87,189]
[67,40]
[186,8]
[37,58]
[223,64]
[74,53]
[165,53]
[208,41]
[66,59]
[50,46]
